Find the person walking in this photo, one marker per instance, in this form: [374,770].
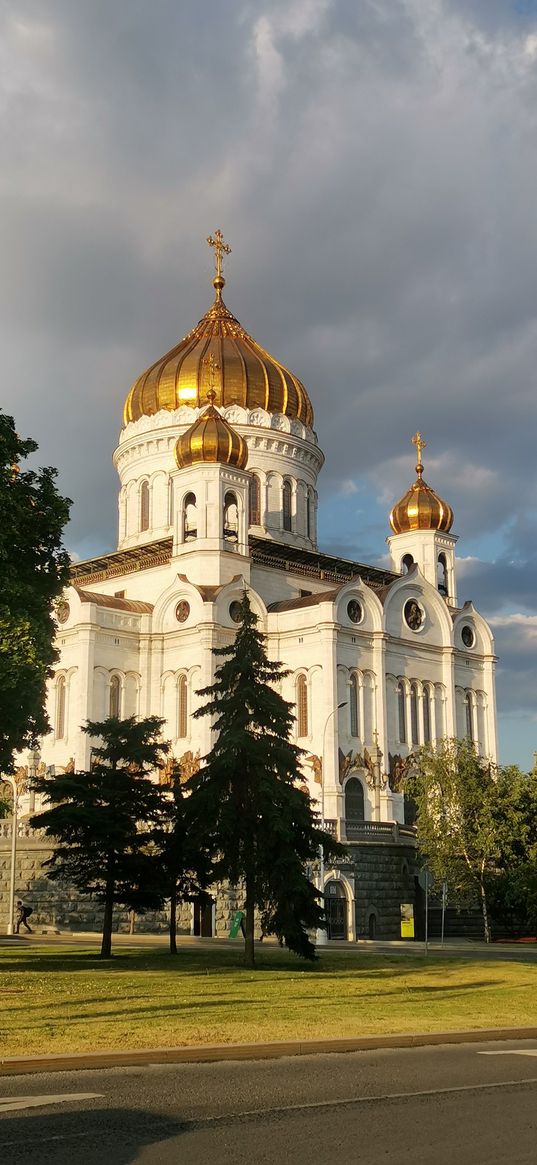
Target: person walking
[22,916]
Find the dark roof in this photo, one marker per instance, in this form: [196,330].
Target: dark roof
[114,603]
[313,564]
[123,562]
[304,601]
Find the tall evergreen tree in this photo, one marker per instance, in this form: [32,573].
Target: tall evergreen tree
[34,568]
[246,806]
[101,821]
[183,867]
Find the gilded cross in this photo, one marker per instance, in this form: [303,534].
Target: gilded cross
[420,444]
[212,367]
[220,248]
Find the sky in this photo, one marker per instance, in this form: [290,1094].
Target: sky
[373,164]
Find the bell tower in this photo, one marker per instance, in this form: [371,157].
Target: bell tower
[421,522]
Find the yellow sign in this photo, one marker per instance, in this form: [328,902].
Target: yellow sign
[407,920]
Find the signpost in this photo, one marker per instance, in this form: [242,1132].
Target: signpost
[426,882]
[444,904]
[236,923]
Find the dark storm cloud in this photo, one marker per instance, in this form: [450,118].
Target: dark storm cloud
[374,168]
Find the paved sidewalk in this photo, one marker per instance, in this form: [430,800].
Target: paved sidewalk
[466,948]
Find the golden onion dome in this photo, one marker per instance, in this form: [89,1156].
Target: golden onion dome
[211,438]
[421,508]
[248,375]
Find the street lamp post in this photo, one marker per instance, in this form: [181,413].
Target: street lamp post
[322,936]
[14,827]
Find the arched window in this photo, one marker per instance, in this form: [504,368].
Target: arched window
[401,711]
[60,708]
[426,716]
[414,727]
[231,518]
[468,715]
[254,516]
[302,706]
[354,800]
[407,562]
[182,707]
[353,706]
[286,505]
[115,697]
[308,514]
[144,506]
[190,518]
[442,575]
[170,502]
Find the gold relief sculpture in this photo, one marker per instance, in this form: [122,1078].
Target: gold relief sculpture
[317,766]
[183,766]
[70,766]
[21,778]
[399,770]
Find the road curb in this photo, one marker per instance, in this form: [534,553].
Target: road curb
[210,1053]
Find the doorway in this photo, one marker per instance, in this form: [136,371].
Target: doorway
[336,911]
[203,917]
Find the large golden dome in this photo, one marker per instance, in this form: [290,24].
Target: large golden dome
[212,439]
[248,375]
[421,508]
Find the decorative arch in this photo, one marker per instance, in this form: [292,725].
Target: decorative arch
[302,708]
[61,698]
[354,795]
[144,505]
[230,528]
[182,707]
[287,503]
[254,501]
[114,696]
[190,517]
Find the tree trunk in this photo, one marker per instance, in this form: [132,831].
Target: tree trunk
[173,919]
[106,944]
[249,908]
[486,924]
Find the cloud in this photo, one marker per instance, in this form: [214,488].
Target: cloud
[373,166]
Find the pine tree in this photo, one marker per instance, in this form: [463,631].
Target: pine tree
[183,867]
[101,820]
[246,806]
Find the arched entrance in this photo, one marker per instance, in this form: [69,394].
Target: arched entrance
[336,910]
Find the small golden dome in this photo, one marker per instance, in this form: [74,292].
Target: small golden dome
[421,508]
[249,376]
[212,439]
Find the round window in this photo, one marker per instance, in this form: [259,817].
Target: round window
[413,615]
[467,636]
[63,611]
[354,611]
[182,611]
[235,611]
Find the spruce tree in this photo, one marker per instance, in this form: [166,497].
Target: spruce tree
[183,868]
[246,806]
[101,821]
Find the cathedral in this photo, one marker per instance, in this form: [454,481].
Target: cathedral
[218,461]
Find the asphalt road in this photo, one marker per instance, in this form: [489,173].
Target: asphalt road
[462,1105]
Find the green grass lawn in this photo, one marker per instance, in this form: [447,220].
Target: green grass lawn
[65,999]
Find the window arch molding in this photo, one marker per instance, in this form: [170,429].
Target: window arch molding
[302,702]
[189,513]
[287,505]
[115,695]
[144,501]
[60,718]
[182,706]
[254,500]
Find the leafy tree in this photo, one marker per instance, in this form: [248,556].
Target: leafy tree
[455,794]
[183,867]
[246,808]
[512,896]
[516,816]
[34,568]
[101,820]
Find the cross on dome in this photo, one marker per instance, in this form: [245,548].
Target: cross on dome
[420,444]
[220,248]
